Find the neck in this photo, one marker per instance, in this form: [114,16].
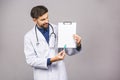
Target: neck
[40,27]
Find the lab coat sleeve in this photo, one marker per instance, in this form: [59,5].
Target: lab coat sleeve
[71,51]
[31,57]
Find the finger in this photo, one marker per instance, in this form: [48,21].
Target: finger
[63,51]
[60,54]
[76,39]
[74,36]
[64,55]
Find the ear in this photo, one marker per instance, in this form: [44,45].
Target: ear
[35,20]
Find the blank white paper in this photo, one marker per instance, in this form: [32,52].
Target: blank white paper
[65,35]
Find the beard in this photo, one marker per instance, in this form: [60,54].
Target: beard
[45,25]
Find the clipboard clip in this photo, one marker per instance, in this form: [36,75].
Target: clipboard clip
[67,23]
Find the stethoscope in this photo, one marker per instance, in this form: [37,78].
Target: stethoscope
[52,33]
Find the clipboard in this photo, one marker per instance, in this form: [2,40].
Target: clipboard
[66,30]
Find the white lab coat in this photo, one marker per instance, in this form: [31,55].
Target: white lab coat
[36,56]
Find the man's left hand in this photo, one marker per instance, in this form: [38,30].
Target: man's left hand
[77,39]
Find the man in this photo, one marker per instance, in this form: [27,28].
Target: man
[40,48]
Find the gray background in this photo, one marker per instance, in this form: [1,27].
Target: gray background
[98,23]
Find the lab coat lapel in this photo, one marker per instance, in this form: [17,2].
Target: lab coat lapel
[41,37]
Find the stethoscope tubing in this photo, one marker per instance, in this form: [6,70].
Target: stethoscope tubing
[50,34]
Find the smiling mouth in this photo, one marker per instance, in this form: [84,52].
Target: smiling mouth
[45,25]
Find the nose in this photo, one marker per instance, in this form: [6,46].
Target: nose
[46,21]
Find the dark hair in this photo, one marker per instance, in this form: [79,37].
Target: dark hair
[38,11]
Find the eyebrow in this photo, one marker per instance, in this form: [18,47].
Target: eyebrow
[44,18]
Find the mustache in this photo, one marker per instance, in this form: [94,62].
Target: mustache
[43,26]
[45,23]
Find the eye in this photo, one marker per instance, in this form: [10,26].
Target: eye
[42,19]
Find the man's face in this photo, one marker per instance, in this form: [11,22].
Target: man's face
[42,21]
